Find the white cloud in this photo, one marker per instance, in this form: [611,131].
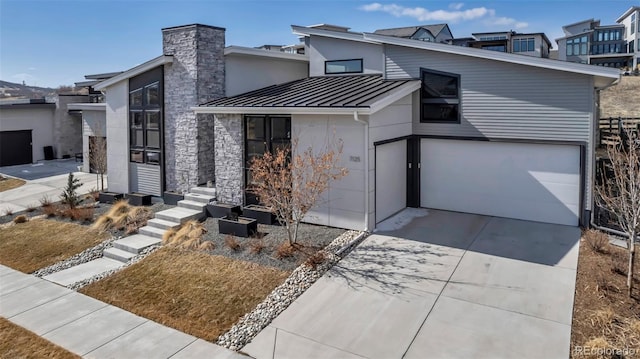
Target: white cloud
[422,14]
[507,21]
[455,14]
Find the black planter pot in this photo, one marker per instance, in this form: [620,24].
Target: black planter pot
[139,199]
[109,197]
[240,227]
[261,213]
[172,198]
[218,210]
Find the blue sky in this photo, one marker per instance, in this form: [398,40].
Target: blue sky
[54,42]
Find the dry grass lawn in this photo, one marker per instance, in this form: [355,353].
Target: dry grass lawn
[604,317]
[38,243]
[622,99]
[7,183]
[17,342]
[194,292]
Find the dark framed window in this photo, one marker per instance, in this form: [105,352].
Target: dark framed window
[439,96]
[263,134]
[145,123]
[498,48]
[343,66]
[524,45]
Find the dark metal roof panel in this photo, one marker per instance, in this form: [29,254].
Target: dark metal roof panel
[325,91]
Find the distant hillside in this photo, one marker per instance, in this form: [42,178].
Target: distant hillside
[621,100]
[12,90]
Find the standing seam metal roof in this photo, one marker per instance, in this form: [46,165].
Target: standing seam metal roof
[326,91]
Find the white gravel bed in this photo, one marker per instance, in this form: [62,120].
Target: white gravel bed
[145,252]
[282,296]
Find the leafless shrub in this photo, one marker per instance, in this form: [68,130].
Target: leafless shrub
[20,219]
[232,243]
[598,241]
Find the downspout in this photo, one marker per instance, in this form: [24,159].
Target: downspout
[366,169]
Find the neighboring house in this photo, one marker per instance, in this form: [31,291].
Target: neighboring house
[588,42]
[528,44]
[27,126]
[93,114]
[630,19]
[432,33]
[424,124]
[155,141]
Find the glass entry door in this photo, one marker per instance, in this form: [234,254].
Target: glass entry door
[263,133]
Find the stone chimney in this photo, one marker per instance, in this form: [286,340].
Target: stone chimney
[196,75]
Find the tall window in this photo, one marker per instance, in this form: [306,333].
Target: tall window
[440,96]
[145,123]
[577,46]
[524,45]
[632,28]
[263,134]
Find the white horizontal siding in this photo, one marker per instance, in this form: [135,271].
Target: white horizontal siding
[501,100]
[145,179]
[505,101]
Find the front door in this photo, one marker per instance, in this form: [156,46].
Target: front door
[263,133]
[15,148]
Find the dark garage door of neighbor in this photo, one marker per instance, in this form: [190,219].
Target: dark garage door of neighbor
[15,148]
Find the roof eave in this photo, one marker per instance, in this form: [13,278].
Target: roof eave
[158,61]
[281,110]
[395,95]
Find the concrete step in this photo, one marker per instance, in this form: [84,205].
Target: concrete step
[83,271]
[180,214]
[162,224]
[197,197]
[210,191]
[198,206]
[152,231]
[118,254]
[136,243]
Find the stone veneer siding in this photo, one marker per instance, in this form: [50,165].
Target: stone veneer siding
[67,128]
[229,156]
[195,76]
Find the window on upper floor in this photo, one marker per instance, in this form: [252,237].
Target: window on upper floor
[145,124]
[439,96]
[632,27]
[524,45]
[577,46]
[343,66]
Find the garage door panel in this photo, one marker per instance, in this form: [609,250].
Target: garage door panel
[525,181]
[391,179]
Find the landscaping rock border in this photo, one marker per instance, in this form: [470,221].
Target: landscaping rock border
[80,258]
[145,252]
[282,296]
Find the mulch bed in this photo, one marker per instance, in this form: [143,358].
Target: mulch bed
[604,316]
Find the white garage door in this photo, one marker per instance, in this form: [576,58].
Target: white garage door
[514,180]
[391,179]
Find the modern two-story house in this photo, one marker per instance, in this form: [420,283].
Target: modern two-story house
[155,142]
[424,124]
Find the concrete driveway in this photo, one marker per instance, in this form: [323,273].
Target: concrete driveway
[447,285]
[47,178]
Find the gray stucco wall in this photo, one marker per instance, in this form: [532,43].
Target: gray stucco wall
[195,76]
[117,124]
[229,158]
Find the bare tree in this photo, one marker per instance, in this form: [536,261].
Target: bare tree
[621,194]
[292,183]
[98,156]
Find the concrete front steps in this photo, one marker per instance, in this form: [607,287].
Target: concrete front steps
[192,207]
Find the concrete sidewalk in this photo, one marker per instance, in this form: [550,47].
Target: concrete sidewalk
[91,328]
[30,194]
